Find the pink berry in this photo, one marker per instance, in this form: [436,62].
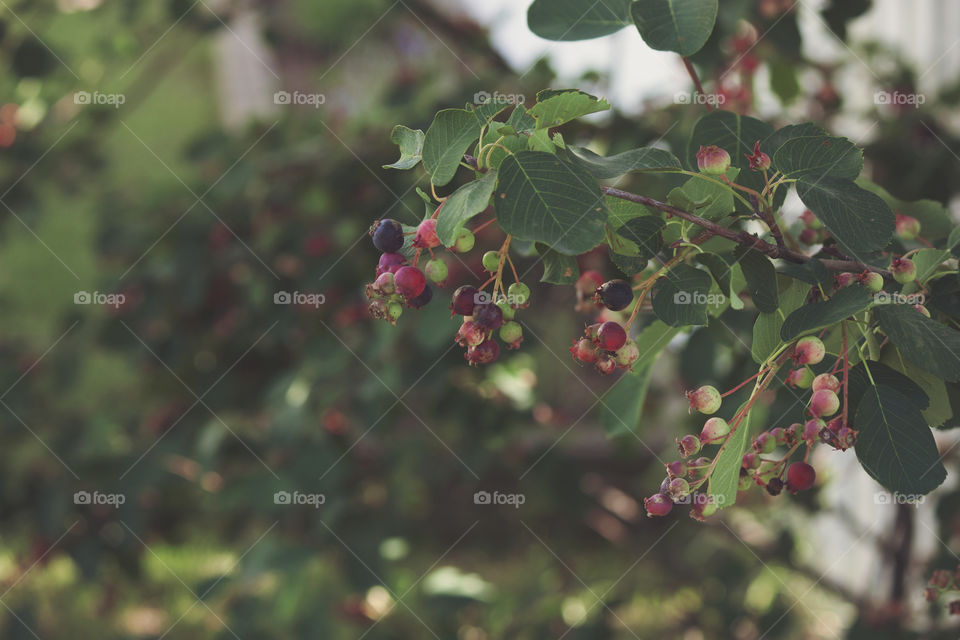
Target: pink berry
[658,505]
[605,363]
[627,354]
[823,403]
[611,336]
[801,378]
[713,160]
[470,334]
[846,279]
[464,299]
[426,237]
[764,443]
[809,350]
[688,445]
[676,469]
[812,429]
[922,309]
[678,489]
[410,281]
[390,262]
[714,429]
[826,381]
[584,350]
[384,285]
[800,477]
[908,228]
[904,270]
[706,399]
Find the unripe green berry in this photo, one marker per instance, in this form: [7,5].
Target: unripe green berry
[491,261]
[904,270]
[436,271]
[706,399]
[508,311]
[464,242]
[713,160]
[394,310]
[872,281]
[512,334]
[518,295]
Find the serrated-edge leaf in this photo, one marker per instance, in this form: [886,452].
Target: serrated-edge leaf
[466,202]
[813,317]
[642,159]
[410,142]
[564,105]
[557,267]
[860,221]
[681,26]
[761,278]
[448,138]
[569,20]
[925,342]
[818,157]
[725,479]
[681,297]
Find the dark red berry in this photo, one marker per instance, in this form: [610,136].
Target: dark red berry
[421,300]
[611,336]
[484,353]
[410,282]
[615,294]
[775,486]
[464,299]
[389,263]
[658,505]
[387,235]
[489,316]
[471,334]
[800,477]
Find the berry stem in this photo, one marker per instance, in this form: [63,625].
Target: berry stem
[736,388]
[484,225]
[846,373]
[692,72]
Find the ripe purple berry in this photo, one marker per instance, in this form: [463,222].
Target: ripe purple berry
[488,315]
[774,486]
[387,235]
[421,300]
[389,263]
[464,299]
[657,505]
[611,336]
[615,295]
[410,282]
[800,477]
[688,445]
[706,399]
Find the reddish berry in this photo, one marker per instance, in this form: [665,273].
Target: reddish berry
[953,607]
[676,469]
[489,316]
[846,438]
[809,350]
[512,334]
[801,378]
[657,505]
[871,280]
[421,300]
[823,403]
[677,489]
[627,354]
[780,435]
[688,445]
[809,236]
[605,363]
[615,294]
[800,477]
[713,160]
[464,299]
[410,282]
[844,279]
[930,594]
[908,228]
[389,263]
[811,430]
[484,353]
[584,350]
[714,429]
[759,161]
[750,461]
[706,399]
[470,334]
[810,221]
[588,283]
[426,237]
[826,381]
[611,336]
[387,235]
[903,270]
[764,443]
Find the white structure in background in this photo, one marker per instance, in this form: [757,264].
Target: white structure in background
[245,74]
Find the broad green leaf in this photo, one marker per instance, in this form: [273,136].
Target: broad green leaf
[652,340]
[629,265]
[623,403]
[761,278]
[557,267]
[766,330]
[934,218]
[812,271]
[681,26]
[577,19]
[719,268]
[556,107]
[818,157]
[487,111]
[447,139]
[469,200]
[772,143]
[540,140]
[410,142]
[543,199]
[725,478]
[881,374]
[643,159]
[927,261]
[645,234]
[939,410]
[925,342]
[860,221]
[681,297]
[710,199]
[622,210]
[495,155]
[813,317]
[894,444]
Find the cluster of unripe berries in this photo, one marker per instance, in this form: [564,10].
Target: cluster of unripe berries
[813,230]
[606,344]
[482,316]
[941,582]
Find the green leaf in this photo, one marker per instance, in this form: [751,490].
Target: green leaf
[521,121]
[643,159]
[681,297]
[860,221]
[556,107]
[540,140]
[772,143]
[816,157]
[725,478]
[939,409]
[410,142]
[645,234]
[681,26]
[812,271]
[926,261]
[710,199]
[543,199]
[622,210]
[447,139]
[881,374]
[623,403]
[652,340]
[925,342]
[469,200]
[813,317]
[487,111]
[557,267]
[894,443]
[629,265]
[934,218]
[577,19]
[761,278]
[766,330]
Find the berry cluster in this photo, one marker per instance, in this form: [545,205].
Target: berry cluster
[943,581]
[605,344]
[400,283]
[813,230]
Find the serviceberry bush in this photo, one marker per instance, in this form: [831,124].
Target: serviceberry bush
[855,301]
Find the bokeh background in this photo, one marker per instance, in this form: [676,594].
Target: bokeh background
[154,398]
